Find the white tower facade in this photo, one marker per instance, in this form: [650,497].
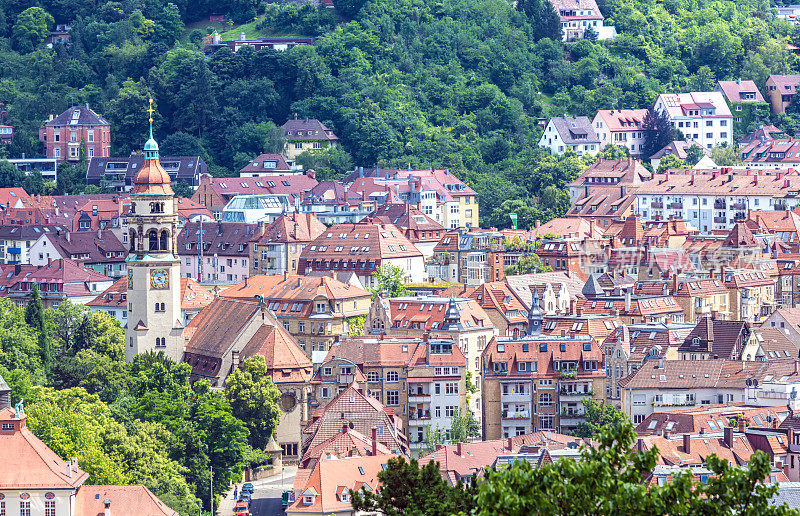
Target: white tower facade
[154,281]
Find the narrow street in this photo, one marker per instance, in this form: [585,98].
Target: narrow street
[266,495]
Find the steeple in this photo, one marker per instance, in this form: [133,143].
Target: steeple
[151,147]
[535,315]
[452,319]
[151,179]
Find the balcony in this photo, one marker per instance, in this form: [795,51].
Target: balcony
[720,205]
[568,375]
[419,397]
[675,206]
[657,205]
[572,395]
[516,414]
[720,220]
[512,395]
[675,403]
[347,378]
[420,418]
[14,250]
[739,205]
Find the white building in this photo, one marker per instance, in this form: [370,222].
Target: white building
[714,199]
[577,16]
[621,127]
[570,133]
[660,384]
[702,116]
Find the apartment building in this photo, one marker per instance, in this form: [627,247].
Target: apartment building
[422,379]
[622,128]
[570,133]
[775,154]
[780,90]
[462,320]
[215,192]
[714,200]
[701,116]
[77,128]
[472,257]
[217,253]
[437,193]
[420,229]
[16,240]
[628,346]
[362,248]
[670,383]
[99,250]
[537,382]
[505,309]
[276,247]
[58,281]
[315,310]
[700,297]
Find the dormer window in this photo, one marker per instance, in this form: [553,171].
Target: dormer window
[308,500]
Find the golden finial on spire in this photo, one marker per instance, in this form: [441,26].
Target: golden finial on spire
[150,110]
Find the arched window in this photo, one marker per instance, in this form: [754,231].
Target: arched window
[133,207]
[164,240]
[153,240]
[133,239]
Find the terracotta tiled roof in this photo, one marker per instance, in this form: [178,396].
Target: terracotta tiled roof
[705,418]
[205,335]
[129,499]
[293,295]
[365,240]
[406,216]
[692,374]
[544,351]
[95,244]
[672,452]
[498,296]
[733,91]
[293,227]
[785,80]
[330,478]
[348,442]
[74,279]
[286,362]
[11,196]
[521,284]
[193,295]
[35,466]
[623,119]
[429,313]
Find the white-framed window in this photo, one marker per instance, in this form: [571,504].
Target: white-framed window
[451,388]
[57,152]
[392,398]
[49,508]
[392,376]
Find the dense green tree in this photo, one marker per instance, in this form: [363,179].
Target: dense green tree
[32,27]
[526,265]
[408,489]
[608,480]
[391,281]
[693,155]
[254,400]
[658,132]
[668,162]
[599,415]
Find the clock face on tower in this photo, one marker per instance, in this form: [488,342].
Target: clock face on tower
[130,278]
[159,278]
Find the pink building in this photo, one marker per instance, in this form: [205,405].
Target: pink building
[64,134]
[222,249]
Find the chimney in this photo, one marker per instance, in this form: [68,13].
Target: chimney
[68,471]
[640,445]
[728,436]
[107,505]
[572,306]
[627,300]
[741,425]
[74,464]
[66,235]
[674,283]
[790,436]
[374,441]
[510,444]
[460,449]
[796,366]
[285,275]
[345,426]
[687,443]
[234,359]
[579,311]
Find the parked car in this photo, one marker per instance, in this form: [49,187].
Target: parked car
[286,499]
[241,507]
[247,487]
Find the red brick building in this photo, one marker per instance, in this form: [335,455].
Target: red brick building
[63,135]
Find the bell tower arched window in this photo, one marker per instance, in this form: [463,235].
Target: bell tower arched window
[133,240]
[164,240]
[153,240]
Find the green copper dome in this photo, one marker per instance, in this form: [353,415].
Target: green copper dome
[151,149]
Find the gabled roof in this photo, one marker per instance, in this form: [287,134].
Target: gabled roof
[94,244]
[127,499]
[347,442]
[35,465]
[220,238]
[286,362]
[365,240]
[733,91]
[575,129]
[406,216]
[292,227]
[206,335]
[292,289]
[623,119]
[717,337]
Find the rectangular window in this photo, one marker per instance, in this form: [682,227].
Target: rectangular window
[392,398]
[24,508]
[50,508]
[451,388]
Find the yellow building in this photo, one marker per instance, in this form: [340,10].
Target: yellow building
[315,310]
[307,135]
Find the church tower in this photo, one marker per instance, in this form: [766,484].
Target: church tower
[154,280]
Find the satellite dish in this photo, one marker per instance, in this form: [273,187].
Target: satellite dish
[769,419]
[755,383]
[748,382]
